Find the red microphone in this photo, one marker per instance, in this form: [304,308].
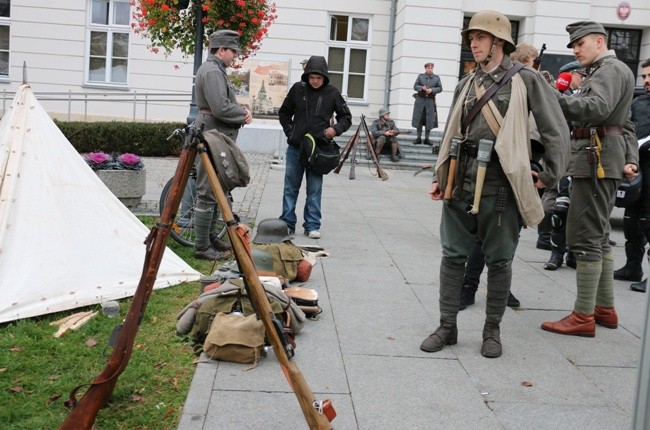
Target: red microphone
[563,81]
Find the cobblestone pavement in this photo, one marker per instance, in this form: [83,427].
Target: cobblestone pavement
[246,201]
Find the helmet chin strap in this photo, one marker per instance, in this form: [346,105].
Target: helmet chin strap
[492,49]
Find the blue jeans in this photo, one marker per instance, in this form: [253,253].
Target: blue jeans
[292,180]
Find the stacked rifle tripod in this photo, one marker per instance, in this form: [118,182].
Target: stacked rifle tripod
[351,150]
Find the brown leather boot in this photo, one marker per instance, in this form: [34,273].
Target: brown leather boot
[606,316]
[576,324]
[445,334]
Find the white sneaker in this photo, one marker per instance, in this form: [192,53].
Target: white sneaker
[314,234]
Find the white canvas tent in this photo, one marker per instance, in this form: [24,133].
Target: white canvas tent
[65,240]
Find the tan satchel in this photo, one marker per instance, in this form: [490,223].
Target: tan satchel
[234,337]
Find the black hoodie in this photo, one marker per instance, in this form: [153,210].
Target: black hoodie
[306,109]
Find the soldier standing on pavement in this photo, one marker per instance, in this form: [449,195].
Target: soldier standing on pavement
[425,114]
[218,109]
[603,150]
[509,197]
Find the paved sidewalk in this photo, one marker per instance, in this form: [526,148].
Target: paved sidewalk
[379,292]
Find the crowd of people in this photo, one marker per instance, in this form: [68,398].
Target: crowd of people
[516,152]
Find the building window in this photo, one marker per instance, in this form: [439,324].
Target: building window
[5,7]
[467,63]
[348,55]
[108,35]
[627,45]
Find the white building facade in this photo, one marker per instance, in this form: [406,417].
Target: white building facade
[85,62]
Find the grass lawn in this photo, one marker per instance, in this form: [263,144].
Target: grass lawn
[38,371]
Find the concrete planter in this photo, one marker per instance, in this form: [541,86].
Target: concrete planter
[128,185]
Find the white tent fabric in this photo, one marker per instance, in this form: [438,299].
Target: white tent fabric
[65,240]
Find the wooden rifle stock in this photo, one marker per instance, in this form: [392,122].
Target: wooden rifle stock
[307,401]
[85,410]
[537,62]
[380,171]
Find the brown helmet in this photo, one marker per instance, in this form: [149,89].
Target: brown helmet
[492,22]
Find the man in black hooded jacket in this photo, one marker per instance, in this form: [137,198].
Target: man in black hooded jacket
[307,108]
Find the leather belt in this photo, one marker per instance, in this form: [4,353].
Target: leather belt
[602,131]
[208,112]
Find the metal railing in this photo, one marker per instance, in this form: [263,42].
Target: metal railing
[140,102]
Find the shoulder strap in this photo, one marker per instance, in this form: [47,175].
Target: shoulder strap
[488,95]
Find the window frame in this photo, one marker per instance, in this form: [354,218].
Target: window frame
[110,29]
[6,22]
[629,33]
[348,46]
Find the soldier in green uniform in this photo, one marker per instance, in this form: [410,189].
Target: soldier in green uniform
[603,150]
[509,198]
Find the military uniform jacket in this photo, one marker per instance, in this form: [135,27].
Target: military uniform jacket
[430,81]
[604,100]
[551,125]
[379,127]
[214,92]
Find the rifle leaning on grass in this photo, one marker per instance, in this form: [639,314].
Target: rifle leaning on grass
[85,410]
[122,339]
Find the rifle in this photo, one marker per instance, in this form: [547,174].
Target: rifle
[380,171]
[346,151]
[538,61]
[317,414]
[85,410]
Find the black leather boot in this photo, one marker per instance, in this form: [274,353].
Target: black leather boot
[571,260]
[513,302]
[555,262]
[445,334]
[639,287]
[467,295]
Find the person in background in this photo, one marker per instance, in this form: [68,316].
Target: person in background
[603,151]
[384,130]
[307,108]
[303,63]
[509,197]
[578,74]
[218,109]
[427,85]
[636,219]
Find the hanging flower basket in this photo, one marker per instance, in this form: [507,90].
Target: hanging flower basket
[170,24]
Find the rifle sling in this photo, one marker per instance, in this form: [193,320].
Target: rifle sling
[488,95]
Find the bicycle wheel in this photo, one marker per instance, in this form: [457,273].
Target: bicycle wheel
[183,221]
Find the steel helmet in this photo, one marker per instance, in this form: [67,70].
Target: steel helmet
[628,192]
[493,22]
[272,230]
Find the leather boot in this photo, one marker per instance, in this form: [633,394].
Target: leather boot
[491,341]
[445,334]
[571,260]
[632,271]
[218,244]
[467,293]
[606,316]
[575,324]
[639,287]
[512,302]
[555,262]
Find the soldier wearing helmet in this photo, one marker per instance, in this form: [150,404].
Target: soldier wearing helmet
[509,197]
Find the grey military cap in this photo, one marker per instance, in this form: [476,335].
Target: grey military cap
[580,29]
[225,39]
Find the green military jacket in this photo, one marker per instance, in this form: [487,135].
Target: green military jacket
[214,92]
[604,100]
[551,125]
